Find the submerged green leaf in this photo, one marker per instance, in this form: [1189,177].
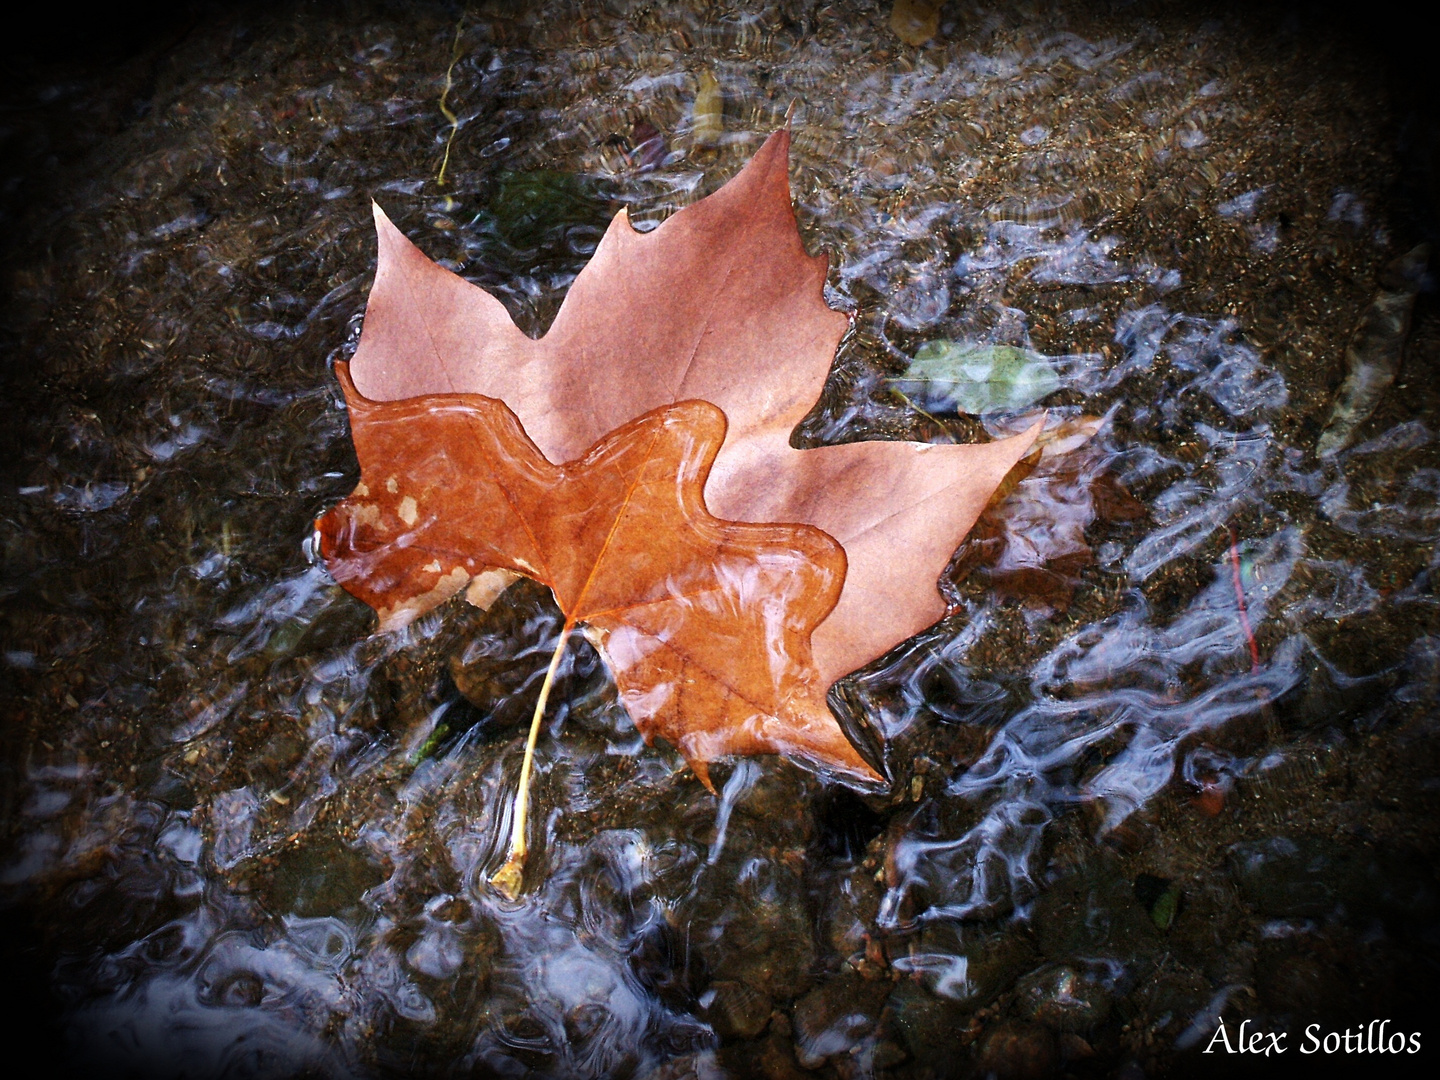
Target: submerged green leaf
[1166,908]
[974,378]
[1161,897]
[532,208]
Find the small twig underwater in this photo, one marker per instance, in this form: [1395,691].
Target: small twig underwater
[1240,600]
[911,403]
[444,101]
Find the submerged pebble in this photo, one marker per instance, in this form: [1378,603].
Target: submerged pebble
[1064,998]
[834,1017]
[1017,1050]
[735,1010]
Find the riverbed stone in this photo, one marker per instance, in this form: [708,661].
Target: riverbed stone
[1091,913]
[931,1027]
[770,1058]
[322,876]
[700,1065]
[757,930]
[1285,877]
[970,965]
[1063,997]
[775,962]
[735,1010]
[1019,1050]
[1311,878]
[1295,982]
[853,903]
[1177,992]
[834,1017]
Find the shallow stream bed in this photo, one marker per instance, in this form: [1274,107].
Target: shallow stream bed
[1170,762]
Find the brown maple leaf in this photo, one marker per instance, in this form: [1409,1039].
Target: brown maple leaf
[718,303]
[723,626]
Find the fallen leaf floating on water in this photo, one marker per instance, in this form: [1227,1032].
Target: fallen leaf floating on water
[746,329]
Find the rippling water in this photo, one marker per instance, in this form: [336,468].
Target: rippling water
[1170,760]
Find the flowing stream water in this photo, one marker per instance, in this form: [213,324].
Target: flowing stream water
[1171,760]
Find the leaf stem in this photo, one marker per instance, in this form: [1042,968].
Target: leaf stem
[509,877]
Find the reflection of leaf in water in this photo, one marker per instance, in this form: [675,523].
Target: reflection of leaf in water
[974,378]
[1030,542]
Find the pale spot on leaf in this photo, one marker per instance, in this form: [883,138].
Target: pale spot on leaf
[488,585]
[365,514]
